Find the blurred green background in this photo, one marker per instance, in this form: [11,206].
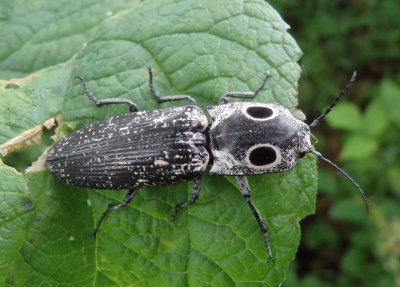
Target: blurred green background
[341,244]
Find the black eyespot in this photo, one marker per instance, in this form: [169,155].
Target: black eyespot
[259,112]
[262,156]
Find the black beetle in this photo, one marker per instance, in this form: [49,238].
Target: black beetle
[168,146]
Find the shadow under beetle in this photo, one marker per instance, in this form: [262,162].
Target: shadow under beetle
[168,146]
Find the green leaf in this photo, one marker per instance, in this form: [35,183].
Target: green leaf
[38,34]
[201,48]
[388,237]
[345,116]
[320,234]
[375,120]
[356,147]
[393,175]
[28,102]
[354,262]
[390,92]
[347,209]
[15,218]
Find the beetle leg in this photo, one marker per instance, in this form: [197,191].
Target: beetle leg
[132,106]
[224,98]
[111,207]
[245,190]
[160,99]
[195,196]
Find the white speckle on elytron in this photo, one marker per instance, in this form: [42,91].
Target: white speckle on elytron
[150,148]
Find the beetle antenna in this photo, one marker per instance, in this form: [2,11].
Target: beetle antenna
[319,155]
[334,102]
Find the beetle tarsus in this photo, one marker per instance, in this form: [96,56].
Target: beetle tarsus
[245,190]
[195,196]
[160,99]
[112,207]
[132,106]
[224,98]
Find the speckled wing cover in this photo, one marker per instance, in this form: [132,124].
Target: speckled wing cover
[149,148]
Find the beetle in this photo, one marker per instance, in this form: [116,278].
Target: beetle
[167,146]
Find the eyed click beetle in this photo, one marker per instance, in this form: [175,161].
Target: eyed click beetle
[167,146]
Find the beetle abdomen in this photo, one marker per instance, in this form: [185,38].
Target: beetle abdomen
[149,148]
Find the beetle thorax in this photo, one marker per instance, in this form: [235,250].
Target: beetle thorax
[255,138]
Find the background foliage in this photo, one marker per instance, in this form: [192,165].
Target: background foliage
[341,244]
